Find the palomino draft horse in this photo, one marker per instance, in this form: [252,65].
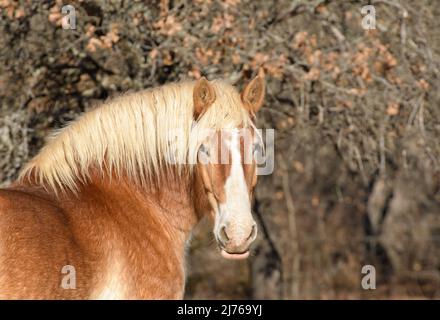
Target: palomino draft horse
[101,202]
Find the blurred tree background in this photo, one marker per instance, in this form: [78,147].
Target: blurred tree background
[356,114]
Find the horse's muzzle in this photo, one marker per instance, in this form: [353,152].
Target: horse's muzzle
[235,243]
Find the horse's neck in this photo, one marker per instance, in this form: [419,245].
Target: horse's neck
[142,229]
[126,240]
[168,203]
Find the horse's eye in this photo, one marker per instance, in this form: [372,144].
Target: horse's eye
[204,149]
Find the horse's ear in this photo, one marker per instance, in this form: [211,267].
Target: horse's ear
[203,95]
[253,94]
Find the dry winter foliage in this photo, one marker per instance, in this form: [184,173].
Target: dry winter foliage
[356,113]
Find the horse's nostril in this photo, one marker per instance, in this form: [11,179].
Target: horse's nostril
[253,232]
[223,234]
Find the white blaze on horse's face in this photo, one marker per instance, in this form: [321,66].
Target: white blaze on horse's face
[229,177]
[235,227]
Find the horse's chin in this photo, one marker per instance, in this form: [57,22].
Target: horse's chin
[235,256]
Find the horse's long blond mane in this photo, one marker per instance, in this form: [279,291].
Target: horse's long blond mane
[133,134]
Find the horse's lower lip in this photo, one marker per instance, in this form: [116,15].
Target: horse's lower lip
[235,256]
